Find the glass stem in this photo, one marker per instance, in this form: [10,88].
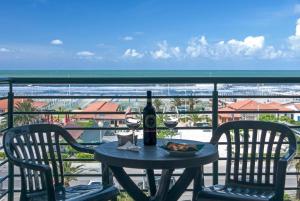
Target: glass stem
[133,137]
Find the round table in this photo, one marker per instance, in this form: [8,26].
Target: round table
[154,157]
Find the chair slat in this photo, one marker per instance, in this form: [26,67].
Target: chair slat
[27,159]
[38,157]
[253,156]
[245,153]
[269,155]
[43,147]
[60,163]
[52,158]
[237,154]
[261,156]
[32,158]
[229,155]
[277,154]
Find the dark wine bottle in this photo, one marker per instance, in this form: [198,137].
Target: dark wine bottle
[149,122]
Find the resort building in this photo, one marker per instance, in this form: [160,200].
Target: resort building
[36,104]
[101,107]
[251,105]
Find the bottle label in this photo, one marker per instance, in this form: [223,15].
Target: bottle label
[150,121]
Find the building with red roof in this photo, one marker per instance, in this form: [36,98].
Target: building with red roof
[250,105]
[102,107]
[37,104]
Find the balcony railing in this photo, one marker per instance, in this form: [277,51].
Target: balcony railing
[165,88]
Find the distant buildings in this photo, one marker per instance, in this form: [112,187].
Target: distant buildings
[251,105]
[36,104]
[101,107]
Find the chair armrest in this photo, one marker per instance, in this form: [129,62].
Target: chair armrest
[78,147]
[81,148]
[44,169]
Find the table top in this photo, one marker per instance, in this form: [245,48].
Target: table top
[154,157]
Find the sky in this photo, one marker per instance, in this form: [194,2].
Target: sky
[150,34]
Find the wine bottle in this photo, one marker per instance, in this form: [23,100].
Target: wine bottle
[149,122]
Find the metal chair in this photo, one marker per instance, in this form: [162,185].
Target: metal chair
[36,150]
[256,161]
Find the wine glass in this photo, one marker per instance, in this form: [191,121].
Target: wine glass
[170,117]
[133,119]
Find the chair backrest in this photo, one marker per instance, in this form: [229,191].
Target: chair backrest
[253,150]
[37,144]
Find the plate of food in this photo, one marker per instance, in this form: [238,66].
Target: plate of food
[182,149]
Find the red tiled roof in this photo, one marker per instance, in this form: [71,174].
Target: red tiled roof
[101,106]
[246,105]
[297,105]
[74,133]
[37,104]
[228,115]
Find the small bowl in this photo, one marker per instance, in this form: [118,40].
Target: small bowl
[124,138]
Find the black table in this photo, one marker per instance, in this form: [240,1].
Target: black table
[153,157]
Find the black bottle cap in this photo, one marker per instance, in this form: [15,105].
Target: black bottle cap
[149,93]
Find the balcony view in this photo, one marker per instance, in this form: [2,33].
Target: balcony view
[149,100]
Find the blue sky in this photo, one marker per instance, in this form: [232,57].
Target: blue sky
[152,34]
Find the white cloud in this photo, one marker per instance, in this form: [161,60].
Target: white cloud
[250,46]
[3,49]
[165,52]
[128,38]
[132,53]
[56,42]
[197,47]
[85,54]
[271,53]
[294,40]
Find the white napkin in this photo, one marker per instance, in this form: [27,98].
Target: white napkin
[130,147]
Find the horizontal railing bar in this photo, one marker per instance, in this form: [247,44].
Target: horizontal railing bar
[161,97]
[112,97]
[3,98]
[125,128]
[257,96]
[4,113]
[95,112]
[154,80]
[182,112]
[255,111]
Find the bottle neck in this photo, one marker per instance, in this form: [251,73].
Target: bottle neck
[149,101]
[149,98]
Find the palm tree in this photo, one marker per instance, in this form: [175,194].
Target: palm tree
[157,103]
[23,119]
[70,169]
[195,118]
[177,102]
[192,102]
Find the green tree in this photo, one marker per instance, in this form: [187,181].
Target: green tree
[195,118]
[157,103]
[23,119]
[177,102]
[69,168]
[268,117]
[163,133]
[192,102]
